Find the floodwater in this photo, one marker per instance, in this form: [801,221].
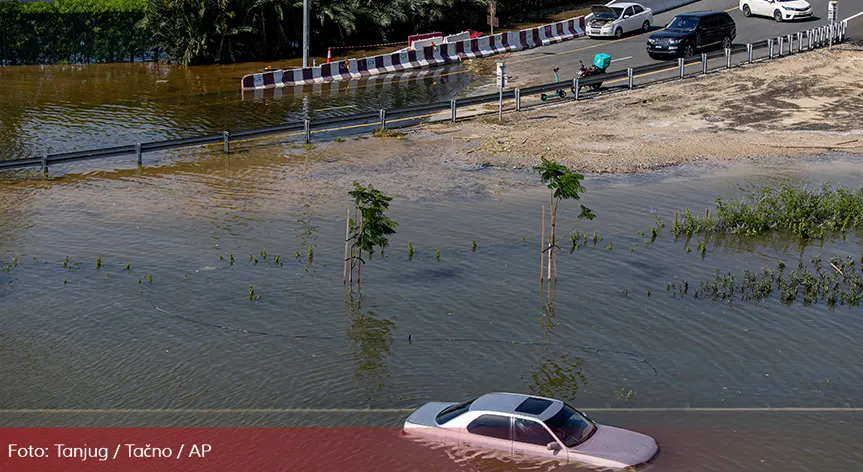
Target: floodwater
[424,329]
[61,108]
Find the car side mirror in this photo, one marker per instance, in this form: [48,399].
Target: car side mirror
[625,17]
[553,446]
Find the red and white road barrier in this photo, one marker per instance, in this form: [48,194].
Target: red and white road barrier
[426,56]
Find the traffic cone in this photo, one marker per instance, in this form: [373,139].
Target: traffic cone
[329,54]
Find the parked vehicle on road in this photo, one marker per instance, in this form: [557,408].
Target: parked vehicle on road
[779,10]
[689,33]
[617,19]
[524,426]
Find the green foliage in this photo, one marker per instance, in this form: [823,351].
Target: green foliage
[563,183]
[374,226]
[840,283]
[803,212]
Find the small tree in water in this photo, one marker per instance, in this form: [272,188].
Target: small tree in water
[370,228]
[564,185]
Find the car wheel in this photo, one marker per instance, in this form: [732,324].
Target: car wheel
[746,11]
[645,27]
[618,33]
[777,15]
[688,50]
[726,43]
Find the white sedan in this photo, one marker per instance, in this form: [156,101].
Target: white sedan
[779,10]
[526,426]
[617,19]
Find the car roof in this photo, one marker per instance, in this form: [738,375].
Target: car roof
[701,13]
[503,402]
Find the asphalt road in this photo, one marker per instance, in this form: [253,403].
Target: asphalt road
[535,66]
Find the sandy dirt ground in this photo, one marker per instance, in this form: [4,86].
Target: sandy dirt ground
[804,104]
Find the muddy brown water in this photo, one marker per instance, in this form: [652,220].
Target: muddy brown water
[63,108]
[82,337]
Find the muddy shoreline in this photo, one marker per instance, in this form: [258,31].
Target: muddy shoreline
[802,105]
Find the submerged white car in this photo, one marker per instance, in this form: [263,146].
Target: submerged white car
[525,426]
[617,19]
[779,10]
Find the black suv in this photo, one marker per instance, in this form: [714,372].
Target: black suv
[691,32]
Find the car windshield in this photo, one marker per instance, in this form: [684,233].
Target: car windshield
[453,411]
[683,23]
[570,426]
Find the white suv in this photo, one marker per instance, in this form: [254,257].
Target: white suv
[780,10]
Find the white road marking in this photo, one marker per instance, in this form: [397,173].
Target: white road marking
[853,16]
[409,410]
[621,59]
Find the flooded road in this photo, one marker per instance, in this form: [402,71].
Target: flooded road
[59,108]
[176,328]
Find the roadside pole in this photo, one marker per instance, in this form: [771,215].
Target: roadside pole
[832,18]
[501,83]
[306,35]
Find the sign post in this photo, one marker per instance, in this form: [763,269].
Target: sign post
[501,83]
[491,19]
[832,11]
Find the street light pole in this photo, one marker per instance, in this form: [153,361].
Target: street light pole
[306,34]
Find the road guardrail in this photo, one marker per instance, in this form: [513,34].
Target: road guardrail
[810,39]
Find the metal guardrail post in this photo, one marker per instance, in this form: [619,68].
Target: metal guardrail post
[576,87]
[681,63]
[728,58]
[44,167]
[452,108]
[703,63]
[307,127]
[138,153]
[629,75]
[821,33]
[809,40]
[830,35]
[790,39]
[781,44]
[517,99]
[749,52]
[226,139]
[383,115]
[799,41]
[770,48]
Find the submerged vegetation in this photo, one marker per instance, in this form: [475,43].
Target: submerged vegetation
[839,284]
[369,229]
[807,213]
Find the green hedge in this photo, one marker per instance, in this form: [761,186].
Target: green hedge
[78,31]
[76,6]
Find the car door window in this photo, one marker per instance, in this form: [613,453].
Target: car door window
[493,426]
[637,9]
[627,12]
[531,432]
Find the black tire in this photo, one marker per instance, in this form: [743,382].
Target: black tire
[543,97]
[726,42]
[688,50]
[645,27]
[746,11]
[561,94]
[777,15]
[618,33]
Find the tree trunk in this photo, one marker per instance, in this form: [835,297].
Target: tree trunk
[542,249]
[347,239]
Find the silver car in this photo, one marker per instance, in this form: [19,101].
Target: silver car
[526,426]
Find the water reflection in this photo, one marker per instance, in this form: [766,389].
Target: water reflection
[557,375]
[372,336]
[66,108]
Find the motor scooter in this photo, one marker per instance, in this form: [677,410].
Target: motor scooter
[600,63]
